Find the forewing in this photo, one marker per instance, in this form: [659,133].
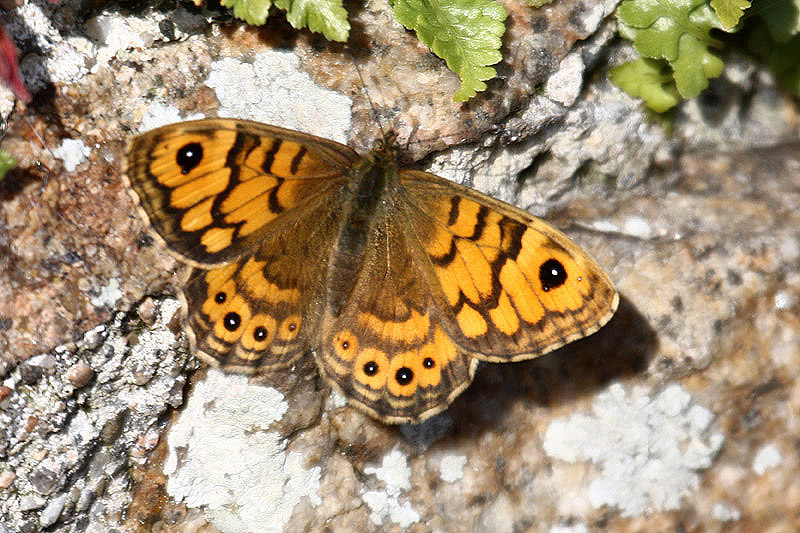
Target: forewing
[213,188]
[507,285]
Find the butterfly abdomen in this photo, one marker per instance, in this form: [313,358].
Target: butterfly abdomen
[367,188]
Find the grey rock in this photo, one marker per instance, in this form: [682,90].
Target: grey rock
[188,22]
[5,368]
[46,362]
[44,480]
[98,465]
[53,511]
[29,374]
[79,374]
[31,502]
[3,442]
[85,500]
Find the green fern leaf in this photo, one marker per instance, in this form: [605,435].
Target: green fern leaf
[327,17]
[467,34]
[649,79]
[251,11]
[678,32]
[7,162]
[730,11]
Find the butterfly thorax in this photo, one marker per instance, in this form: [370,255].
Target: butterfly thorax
[373,174]
[371,180]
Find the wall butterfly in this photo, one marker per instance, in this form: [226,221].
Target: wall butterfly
[396,281]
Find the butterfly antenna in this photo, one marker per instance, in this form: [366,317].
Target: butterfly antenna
[366,92]
[38,163]
[411,136]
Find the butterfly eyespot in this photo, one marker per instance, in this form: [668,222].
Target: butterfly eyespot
[552,274]
[370,368]
[220,297]
[404,375]
[232,321]
[260,332]
[189,156]
[345,344]
[428,362]
[290,327]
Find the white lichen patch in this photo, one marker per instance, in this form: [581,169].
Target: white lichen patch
[383,505]
[72,153]
[648,450]
[725,512]
[274,90]
[451,467]
[158,114]
[112,33]
[60,58]
[395,473]
[223,457]
[109,295]
[767,457]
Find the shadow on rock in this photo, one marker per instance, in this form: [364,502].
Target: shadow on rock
[624,347]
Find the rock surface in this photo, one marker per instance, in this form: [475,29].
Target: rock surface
[680,414]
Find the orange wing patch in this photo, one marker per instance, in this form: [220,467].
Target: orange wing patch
[511,286]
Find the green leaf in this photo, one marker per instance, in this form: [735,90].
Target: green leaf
[694,66]
[782,18]
[782,58]
[7,162]
[785,61]
[251,11]
[467,34]
[327,17]
[730,11]
[678,31]
[538,3]
[649,79]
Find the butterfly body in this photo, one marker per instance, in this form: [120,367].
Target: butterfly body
[397,281]
[363,202]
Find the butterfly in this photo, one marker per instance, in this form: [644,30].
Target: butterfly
[397,281]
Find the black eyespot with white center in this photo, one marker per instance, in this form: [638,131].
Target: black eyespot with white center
[370,368]
[189,156]
[552,274]
[404,375]
[232,321]
[428,362]
[220,297]
[260,333]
